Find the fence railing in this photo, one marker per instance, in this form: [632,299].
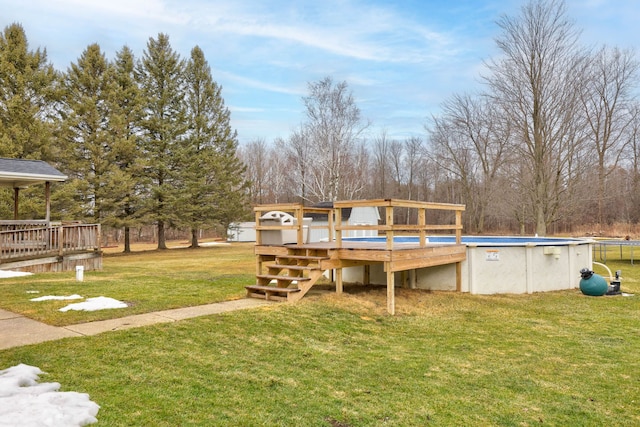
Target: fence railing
[22,241]
[386,228]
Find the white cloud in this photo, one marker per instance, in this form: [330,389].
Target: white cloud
[258,84]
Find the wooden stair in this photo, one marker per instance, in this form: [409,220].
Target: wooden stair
[290,276]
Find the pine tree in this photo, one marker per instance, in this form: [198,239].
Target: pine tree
[125,102]
[212,174]
[89,157]
[160,74]
[27,90]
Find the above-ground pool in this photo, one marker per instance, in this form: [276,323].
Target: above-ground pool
[494,265]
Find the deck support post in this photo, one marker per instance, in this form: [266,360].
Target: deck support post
[458,276]
[391,296]
[47,196]
[16,201]
[339,287]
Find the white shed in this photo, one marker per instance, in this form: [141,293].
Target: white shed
[241,232]
[362,215]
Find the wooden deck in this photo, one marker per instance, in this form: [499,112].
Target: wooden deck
[38,246]
[402,257]
[295,267]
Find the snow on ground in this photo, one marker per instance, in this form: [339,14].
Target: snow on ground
[91,304]
[25,402]
[8,273]
[97,303]
[54,297]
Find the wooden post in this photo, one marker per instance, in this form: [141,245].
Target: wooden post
[458,242]
[339,287]
[16,198]
[391,296]
[258,232]
[422,221]
[61,240]
[47,196]
[389,223]
[300,218]
[258,243]
[331,224]
[366,274]
[338,227]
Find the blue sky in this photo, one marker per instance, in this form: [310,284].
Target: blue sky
[401,59]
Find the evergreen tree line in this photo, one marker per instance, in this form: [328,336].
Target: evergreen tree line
[549,142]
[144,141]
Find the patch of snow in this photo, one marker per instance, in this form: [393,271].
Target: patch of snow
[25,402]
[97,303]
[54,297]
[8,273]
[33,292]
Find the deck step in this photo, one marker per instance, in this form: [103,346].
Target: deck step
[276,277]
[303,257]
[293,267]
[271,289]
[270,293]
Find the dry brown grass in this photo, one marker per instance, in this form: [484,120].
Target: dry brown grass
[151,246]
[615,231]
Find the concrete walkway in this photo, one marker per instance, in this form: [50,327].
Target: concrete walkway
[16,330]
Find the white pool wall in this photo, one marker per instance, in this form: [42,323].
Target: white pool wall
[522,269]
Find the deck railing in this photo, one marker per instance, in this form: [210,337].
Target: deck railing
[387,228]
[22,240]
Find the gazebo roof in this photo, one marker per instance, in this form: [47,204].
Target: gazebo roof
[17,173]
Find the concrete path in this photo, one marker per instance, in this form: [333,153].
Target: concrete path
[16,330]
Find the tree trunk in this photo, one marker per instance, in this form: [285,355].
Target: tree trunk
[127,240]
[194,238]
[162,243]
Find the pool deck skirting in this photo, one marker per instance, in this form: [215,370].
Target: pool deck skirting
[401,257]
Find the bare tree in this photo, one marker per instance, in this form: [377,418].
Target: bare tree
[299,150]
[332,129]
[279,177]
[470,140]
[536,80]
[357,173]
[381,147]
[396,158]
[255,156]
[606,103]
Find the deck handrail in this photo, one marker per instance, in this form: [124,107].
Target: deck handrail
[49,240]
[388,228]
[298,211]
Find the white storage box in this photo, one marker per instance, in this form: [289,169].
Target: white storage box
[282,237]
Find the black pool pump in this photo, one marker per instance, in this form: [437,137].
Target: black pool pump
[614,286]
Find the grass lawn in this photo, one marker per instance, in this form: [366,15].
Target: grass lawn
[557,358]
[147,280]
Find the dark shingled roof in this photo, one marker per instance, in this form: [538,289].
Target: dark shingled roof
[346,212]
[21,172]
